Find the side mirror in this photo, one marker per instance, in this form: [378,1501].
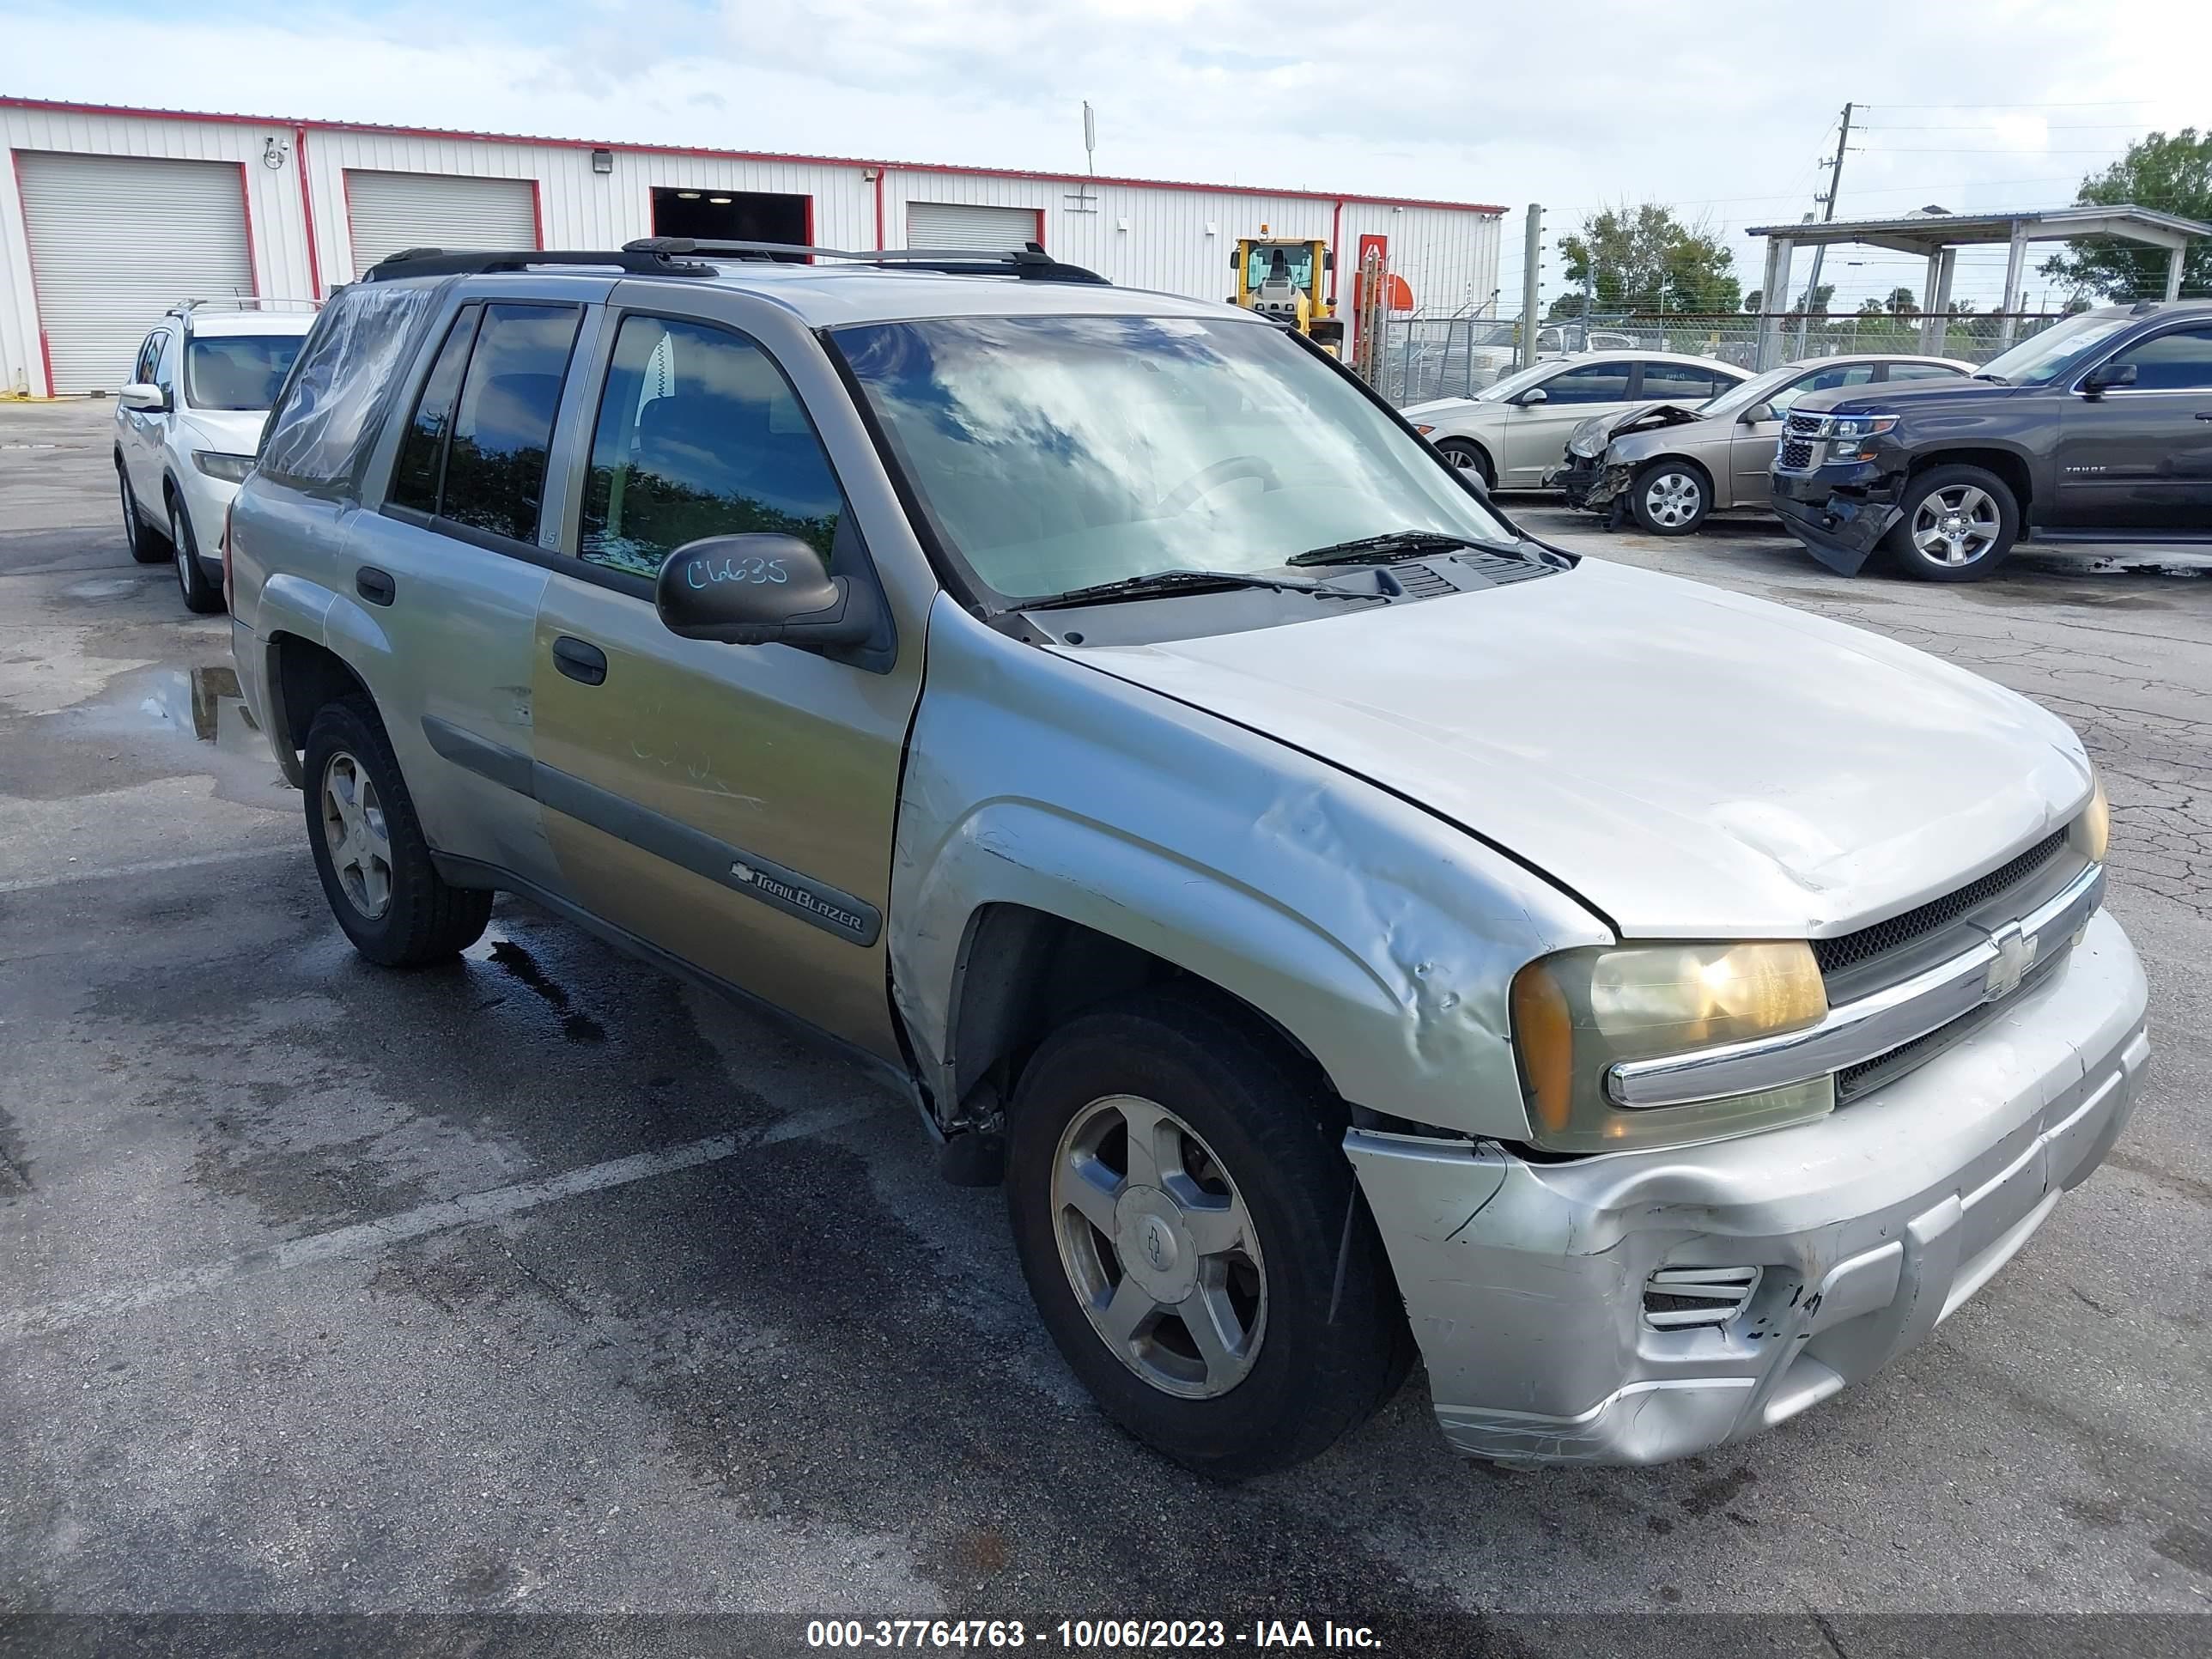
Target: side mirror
[2105,376]
[1758,412]
[1535,395]
[760,590]
[144,396]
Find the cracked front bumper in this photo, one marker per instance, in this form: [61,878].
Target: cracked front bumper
[1840,529]
[1525,1282]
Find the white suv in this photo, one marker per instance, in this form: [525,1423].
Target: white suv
[187,426]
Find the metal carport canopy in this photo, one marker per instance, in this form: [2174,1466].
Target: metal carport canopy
[1936,236]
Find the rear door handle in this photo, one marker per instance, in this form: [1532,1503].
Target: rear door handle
[375,586]
[2204,414]
[580,660]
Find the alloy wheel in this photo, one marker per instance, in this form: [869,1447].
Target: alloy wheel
[1672,500]
[1159,1247]
[354,832]
[1956,526]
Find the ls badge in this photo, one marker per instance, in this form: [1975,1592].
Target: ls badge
[2015,956]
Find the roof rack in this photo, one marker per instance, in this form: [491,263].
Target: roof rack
[672,256]
[472,261]
[242,302]
[1029,260]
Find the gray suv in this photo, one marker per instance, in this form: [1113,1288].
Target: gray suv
[1346,925]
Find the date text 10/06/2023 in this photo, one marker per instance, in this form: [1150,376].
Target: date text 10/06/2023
[1108,1635]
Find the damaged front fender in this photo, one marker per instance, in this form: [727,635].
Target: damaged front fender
[1381,938]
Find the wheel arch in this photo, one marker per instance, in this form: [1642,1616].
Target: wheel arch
[1481,449]
[302,675]
[2009,466]
[1023,971]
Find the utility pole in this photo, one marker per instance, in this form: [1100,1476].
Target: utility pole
[1531,272]
[1828,212]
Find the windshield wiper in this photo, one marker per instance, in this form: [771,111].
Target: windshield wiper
[1161,582]
[1391,547]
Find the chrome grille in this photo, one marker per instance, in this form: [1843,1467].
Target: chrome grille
[1802,426]
[1849,950]
[1796,455]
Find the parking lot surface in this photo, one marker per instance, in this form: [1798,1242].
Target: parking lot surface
[542,1282]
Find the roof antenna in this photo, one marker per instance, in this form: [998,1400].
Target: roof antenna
[1090,139]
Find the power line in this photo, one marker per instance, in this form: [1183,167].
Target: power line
[2084,103]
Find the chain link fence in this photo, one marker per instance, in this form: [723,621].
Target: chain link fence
[1422,357]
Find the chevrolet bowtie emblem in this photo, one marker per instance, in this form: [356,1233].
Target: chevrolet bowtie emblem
[2015,956]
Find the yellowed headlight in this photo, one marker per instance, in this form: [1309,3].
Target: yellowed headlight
[2092,832]
[1577,1013]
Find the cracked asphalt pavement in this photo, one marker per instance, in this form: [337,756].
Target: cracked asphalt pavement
[544,1283]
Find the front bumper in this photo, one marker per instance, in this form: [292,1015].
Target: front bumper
[1526,1282]
[1841,514]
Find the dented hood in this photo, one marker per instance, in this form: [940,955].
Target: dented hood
[1691,763]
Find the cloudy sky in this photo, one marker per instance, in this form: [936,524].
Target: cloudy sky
[1724,111]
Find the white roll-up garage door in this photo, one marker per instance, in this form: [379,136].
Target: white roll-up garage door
[960,224]
[389,211]
[117,239]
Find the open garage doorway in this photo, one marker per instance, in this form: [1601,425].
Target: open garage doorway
[732,215]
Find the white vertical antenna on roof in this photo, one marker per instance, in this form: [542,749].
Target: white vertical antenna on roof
[1080,200]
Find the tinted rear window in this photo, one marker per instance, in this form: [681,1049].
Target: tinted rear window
[503,424]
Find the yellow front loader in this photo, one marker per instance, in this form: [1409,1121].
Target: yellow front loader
[1285,280]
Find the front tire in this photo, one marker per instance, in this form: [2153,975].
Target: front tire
[144,547]
[1956,524]
[1670,498]
[1469,457]
[375,866]
[1179,1192]
[202,597]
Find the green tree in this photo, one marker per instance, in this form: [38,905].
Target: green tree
[1901,305]
[1751,300]
[1643,258]
[2171,173]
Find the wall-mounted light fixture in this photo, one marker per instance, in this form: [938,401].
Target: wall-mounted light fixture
[687,195]
[720,201]
[1211,228]
[869,175]
[603,160]
[272,154]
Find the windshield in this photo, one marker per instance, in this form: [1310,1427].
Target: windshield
[1756,390]
[1506,385]
[237,371]
[2056,352]
[1294,262]
[1056,452]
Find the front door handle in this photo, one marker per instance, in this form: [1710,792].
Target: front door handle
[2204,414]
[580,660]
[375,586]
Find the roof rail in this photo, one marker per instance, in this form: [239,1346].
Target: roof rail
[1029,260]
[671,256]
[466,262]
[242,302]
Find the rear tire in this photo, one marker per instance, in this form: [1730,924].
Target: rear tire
[1670,498]
[1469,457]
[144,546]
[1246,1145]
[1956,525]
[202,597]
[375,866]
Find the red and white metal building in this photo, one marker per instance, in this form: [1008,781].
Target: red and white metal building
[108,216]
